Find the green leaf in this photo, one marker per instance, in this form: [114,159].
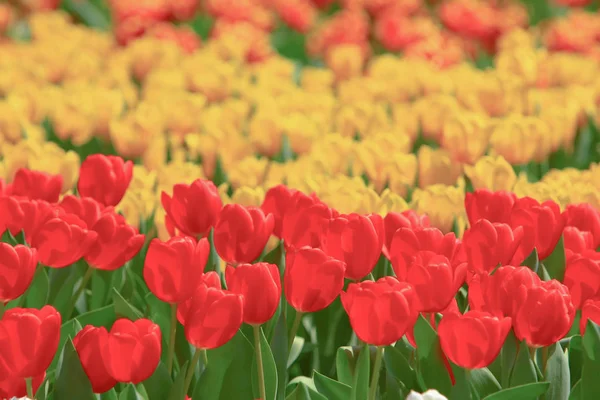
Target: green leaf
[331,389]
[532,261]
[576,392]
[130,393]
[159,383]
[508,357]
[71,381]
[269,367]
[62,282]
[304,392]
[524,369]
[575,358]
[110,395]
[557,373]
[360,381]
[484,382]
[68,330]
[91,15]
[226,375]
[124,308]
[590,384]
[101,283]
[279,346]
[295,350]
[344,362]
[591,341]
[531,391]
[160,312]
[398,366]
[104,316]
[177,391]
[556,262]
[37,294]
[431,371]
[461,390]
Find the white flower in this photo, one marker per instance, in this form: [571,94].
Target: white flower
[428,395]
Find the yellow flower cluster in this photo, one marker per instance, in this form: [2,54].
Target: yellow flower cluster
[351,136]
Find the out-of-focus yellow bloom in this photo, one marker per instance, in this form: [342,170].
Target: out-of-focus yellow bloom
[159,223]
[466,136]
[394,80]
[163,80]
[560,69]
[495,93]
[177,172]
[433,111]
[10,125]
[317,79]
[519,139]
[443,204]
[391,202]
[492,173]
[148,53]
[245,195]
[436,166]
[155,154]
[143,179]
[137,206]
[405,119]
[17,156]
[266,133]
[346,61]
[522,62]
[249,171]
[362,119]
[216,80]
[541,191]
[182,111]
[301,131]
[516,39]
[132,134]
[73,117]
[54,160]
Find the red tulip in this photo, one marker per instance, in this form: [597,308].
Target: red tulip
[586,218]
[13,386]
[545,313]
[193,208]
[27,215]
[86,208]
[276,202]
[132,351]
[28,340]
[542,225]
[104,178]
[589,311]
[17,267]
[90,343]
[357,240]
[407,242]
[434,280]
[241,233]
[312,279]
[173,269]
[380,312]
[117,243]
[493,206]
[406,219]
[37,185]
[487,245]
[473,340]
[452,308]
[11,214]
[305,221]
[63,240]
[498,293]
[260,286]
[214,317]
[577,241]
[582,276]
[210,279]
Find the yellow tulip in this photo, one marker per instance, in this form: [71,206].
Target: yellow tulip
[436,166]
[466,136]
[492,173]
[443,204]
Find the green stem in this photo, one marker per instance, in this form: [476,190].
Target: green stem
[376,370]
[544,359]
[294,330]
[192,368]
[204,358]
[29,385]
[80,289]
[259,363]
[171,351]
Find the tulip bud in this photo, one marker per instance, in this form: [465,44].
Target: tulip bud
[104,178]
[582,276]
[36,185]
[210,279]
[493,206]
[276,202]
[90,342]
[17,267]
[406,219]
[589,312]
[586,218]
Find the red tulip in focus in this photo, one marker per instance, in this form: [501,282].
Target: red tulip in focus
[590,311]
[582,277]
[407,242]
[173,269]
[406,219]
[26,215]
[577,241]
[542,225]
[487,245]
[493,206]
[37,185]
[210,279]
[473,340]
[380,312]
[63,240]
[12,216]
[241,233]
[86,208]
[434,280]
[498,294]
[357,240]
[28,340]
[193,208]
[90,343]
[117,243]
[260,286]
[312,280]
[544,315]
[276,202]
[17,267]
[133,350]
[13,386]
[305,221]
[585,218]
[214,317]
[104,178]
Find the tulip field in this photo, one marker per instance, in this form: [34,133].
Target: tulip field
[300,199]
